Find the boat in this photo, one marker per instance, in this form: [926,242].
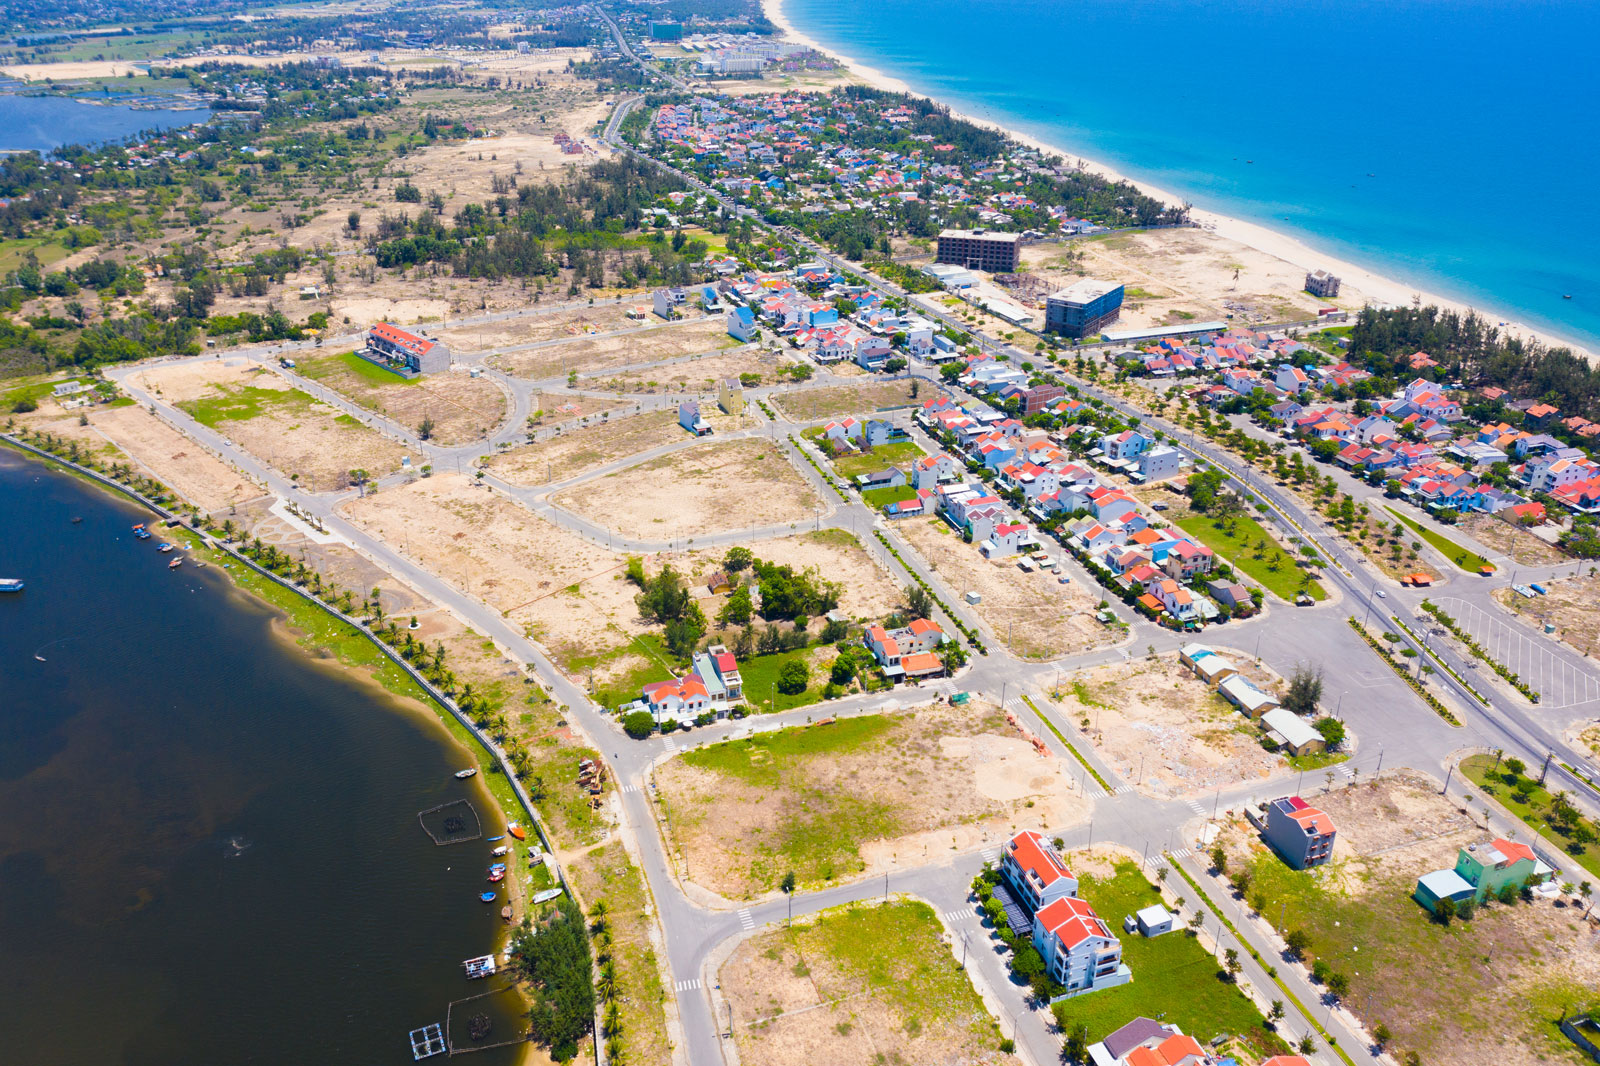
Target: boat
[175,563]
[501,850]
[138,526]
[493,866]
[491,840]
[505,916]
[141,532]
[164,547]
[482,966]
[547,895]
[517,831]
[464,774]
[487,897]
[497,875]
[10,584]
[76,519]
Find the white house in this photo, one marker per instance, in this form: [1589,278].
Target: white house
[1007,539]
[742,324]
[1078,948]
[1159,463]
[1035,870]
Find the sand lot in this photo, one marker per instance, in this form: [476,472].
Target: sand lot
[699,490]
[694,375]
[278,424]
[867,592]
[1465,994]
[196,474]
[568,593]
[833,802]
[1171,274]
[534,328]
[1044,619]
[1519,544]
[463,408]
[592,356]
[1571,603]
[572,453]
[814,405]
[364,307]
[837,986]
[453,168]
[1156,717]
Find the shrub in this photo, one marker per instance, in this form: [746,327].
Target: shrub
[638,724]
[793,678]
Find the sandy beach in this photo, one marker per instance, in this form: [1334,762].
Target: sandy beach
[1377,288]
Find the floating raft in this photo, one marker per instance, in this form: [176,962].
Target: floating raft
[427,1042]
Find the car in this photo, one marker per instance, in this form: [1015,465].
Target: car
[1382,595]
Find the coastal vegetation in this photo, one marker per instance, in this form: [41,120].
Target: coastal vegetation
[554,960]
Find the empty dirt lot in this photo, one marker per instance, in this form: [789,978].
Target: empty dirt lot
[300,437]
[1155,717]
[1044,619]
[700,490]
[815,405]
[196,474]
[462,408]
[694,375]
[856,986]
[573,453]
[832,802]
[1522,546]
[593,356]
[867,591]
[535,327]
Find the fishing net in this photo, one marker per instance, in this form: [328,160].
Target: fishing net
[455,822]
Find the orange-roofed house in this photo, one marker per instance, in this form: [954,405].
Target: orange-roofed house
[1287,1060]
[1080,953]
[1035,871]
[908,651]
[1299,832]
[1147,1042]
[397,349]
[1483,871]
[686,697]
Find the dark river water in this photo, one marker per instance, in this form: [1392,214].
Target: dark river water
[209,845]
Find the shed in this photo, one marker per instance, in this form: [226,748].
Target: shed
[1153,920]
[1442,884]
[1290,730]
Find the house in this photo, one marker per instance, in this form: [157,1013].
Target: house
[887,478]
[1185,560]
[1125,445]
[1232,594]
[929,471]
[1239,691]
[1292,380]
[667,301]
[1007,539]
[716,666]
[1207,665]
[719,583]
[1292,732]
[908,651]
[689,418]
[730,396]
[839,432]
[1153,920]
[1159,463]
[880,432]
[395,348]
[1035,872]
[1080,953]
[1483,870]
[1178,602]
[918,507]
[1297,831]
[684,698]
[742,324]
[1147,1042]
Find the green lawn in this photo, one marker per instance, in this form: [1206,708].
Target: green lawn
[626,688]
[331,366]
[878,499]
[768,759]
[14,251]
[1317,760]
[1272,567]
[1469,561]
[1173,977]
[1535,811]
[899,453]
[242,402]
[760,674]
[35,390]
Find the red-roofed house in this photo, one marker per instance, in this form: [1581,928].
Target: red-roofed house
[684,698]
[394,348]
[1299,832]
[1035,870]
[1079,951]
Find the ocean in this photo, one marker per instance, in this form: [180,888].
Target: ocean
[44,123]
[210,851]
[1449,144]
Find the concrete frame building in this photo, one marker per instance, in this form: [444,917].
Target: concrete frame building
[1323,284]
[1082,308]
[979,249]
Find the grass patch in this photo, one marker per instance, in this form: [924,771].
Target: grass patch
[238,403]
[1173,977]
[760,675]
[1250,548]
[1317,760]
[626,687]
[895,453]
[606,875]
[878,499]
[764,760]
[1507,788]
[34,390]
[15,251]
[325,367]
[1470,561]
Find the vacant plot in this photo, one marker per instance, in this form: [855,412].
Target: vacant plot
[534,328]
[1164,729]
[459,407]
[837,986]
[594,355]
[700,490]
[833,801]
[1523,547]
[1040,618]
[1569,602]
[573,453]
[1250,548]
[607,875]
[814,405]
[698,374]
[307,440]
[1472,992]
[196,474]
[866,589]
[1173,976]
[564,591]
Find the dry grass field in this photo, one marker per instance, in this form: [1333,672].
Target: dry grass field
[594,355]
[462,408]
[815,405]
[573,453]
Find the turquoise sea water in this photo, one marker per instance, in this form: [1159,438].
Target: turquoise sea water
[1451,144]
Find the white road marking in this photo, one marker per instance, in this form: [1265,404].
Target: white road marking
[687,986]
[745,920]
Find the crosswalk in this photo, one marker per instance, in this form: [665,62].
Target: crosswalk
[991,854]
[1344,768]
[672,745]
[1121,790]
[687,986]
[1181,853]
[746,921]
[1196,808]
[630,787]
[957,916]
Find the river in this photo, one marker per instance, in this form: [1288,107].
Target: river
[45,123]
[210,850]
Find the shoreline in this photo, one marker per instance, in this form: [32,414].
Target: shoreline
[1379,289]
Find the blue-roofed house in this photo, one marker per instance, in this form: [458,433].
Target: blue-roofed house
[742,324]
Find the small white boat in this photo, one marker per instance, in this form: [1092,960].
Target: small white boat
[497,852]
[10,584]
[464,774]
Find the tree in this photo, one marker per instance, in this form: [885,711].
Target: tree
[793,678]
[919,604]
[736,612]
[1332,731]
[1307,1045]
[352,221]
[1231,963]
[1277,1011]
[1381,1036]
[1077,1047]
[1298,941]
[638,724]
[1241,882]
[425,430]
[664,597]
[788,882]
[1219,859]
[737,559]
[555,960]
[1338,985]
[1305,690]
[1447,910]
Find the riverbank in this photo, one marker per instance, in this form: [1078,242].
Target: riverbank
[1377,288]
[350,655]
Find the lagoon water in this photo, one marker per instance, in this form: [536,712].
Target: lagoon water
[1449,143]
[43,123]
[209,851]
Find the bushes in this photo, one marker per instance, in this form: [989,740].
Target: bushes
[793,678]
[638,724]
